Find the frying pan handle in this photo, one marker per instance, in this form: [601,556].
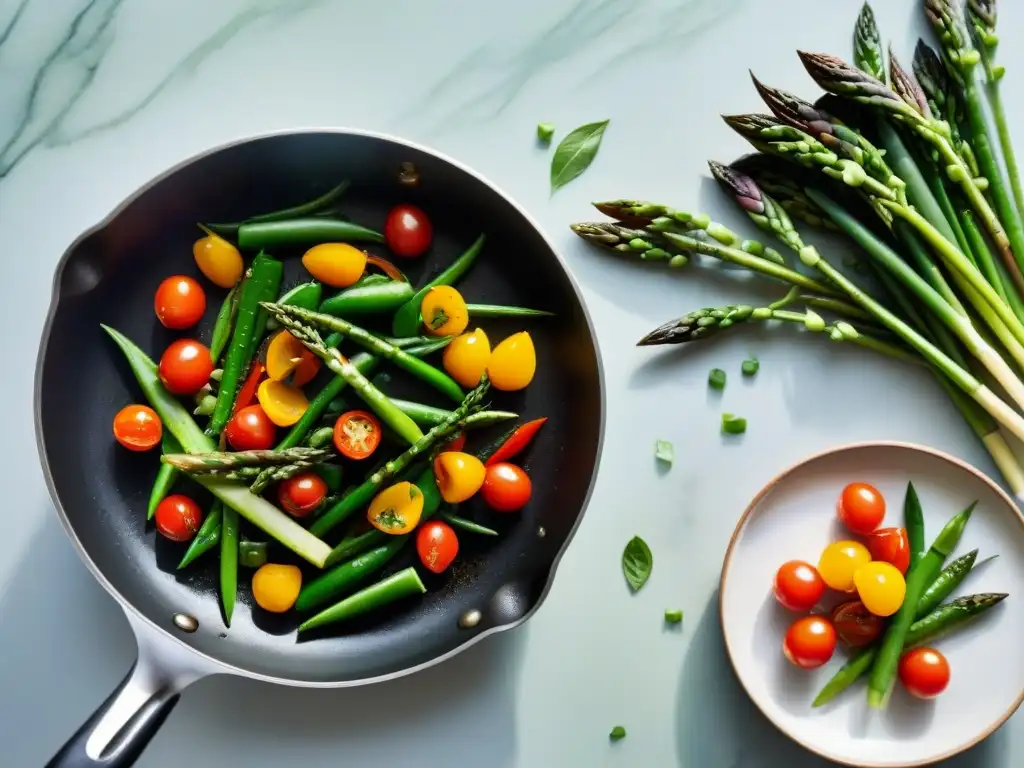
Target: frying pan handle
[121,727]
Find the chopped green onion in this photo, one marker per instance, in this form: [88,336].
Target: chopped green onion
[733,425]
[673,616]
[618,732]
[716,379]
[663,451]
[750,366]
[545,131]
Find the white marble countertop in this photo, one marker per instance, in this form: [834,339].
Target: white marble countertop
[100,95]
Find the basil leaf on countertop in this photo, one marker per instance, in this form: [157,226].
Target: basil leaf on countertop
[637,562]
[575,153]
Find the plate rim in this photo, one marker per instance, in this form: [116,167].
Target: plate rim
[727,562]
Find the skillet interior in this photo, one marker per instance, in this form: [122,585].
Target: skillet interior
[110,276]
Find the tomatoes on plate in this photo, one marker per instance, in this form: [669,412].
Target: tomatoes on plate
[250,430]
[855,624]
[179,302]
[840,561]
[798,585]
[881,588]
[890,545]
[301,494]
[861,508]
[178,518]
[137,427]
[924,672]
[357,434]
[506,488]
[437,545]
[407,231]
[185,367]
[809,642]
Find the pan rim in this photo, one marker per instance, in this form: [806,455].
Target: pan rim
[126,605]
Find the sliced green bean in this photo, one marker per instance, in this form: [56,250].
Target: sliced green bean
[913,521]
[396,587]
[166,476]
[305,209]
[304,231]
[363,299]
[229,562]
[252,554]
[208,536]
[498,310]
[467,525]
[407,318]
[224,324]
[305,295]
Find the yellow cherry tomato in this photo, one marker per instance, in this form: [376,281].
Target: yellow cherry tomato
[338,265]
[465,358]
[284,353]
[840,561]
[218,260]
[513,363]
[459,475]
[396,509]
[283,403]
[444,311]
[881,587]
[276,587]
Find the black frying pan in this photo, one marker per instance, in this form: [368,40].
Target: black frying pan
[109,275]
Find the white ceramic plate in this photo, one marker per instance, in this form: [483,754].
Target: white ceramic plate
[794,518]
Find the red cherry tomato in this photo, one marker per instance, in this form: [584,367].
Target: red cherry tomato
[890,545]
[855,624]
[178,518]
[506,487]
[437,545]
[924,672]
[407,231]
[179,302]
[137,427]
[861,508]
[185,367]
[301,494]
[251,430]
[357,434]
[455,445]
[809,642]
[798,585]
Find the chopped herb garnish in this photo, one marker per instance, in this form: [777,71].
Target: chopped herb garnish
[733,425]
[390,519]
[716,379]
[751,366]
[663,451]
[637,562]
[440,318]
[618,732]
[673,616]
[545,131]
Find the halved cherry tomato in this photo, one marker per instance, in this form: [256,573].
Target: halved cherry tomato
[179,303]
[506,487]
[301,494]
[924,672]
[357,434]
[855,624]
[397,509]
[861,508]
[137,427]
[437,545]
[284,403]
[890,545]
[250,429]
[458,475]
[185,367]
[407,231]
[798,585]
[386,267]
[178,517]
[247,392]
[445,313]
[810,642]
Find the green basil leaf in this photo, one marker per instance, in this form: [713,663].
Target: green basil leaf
[637,562]
[575,153]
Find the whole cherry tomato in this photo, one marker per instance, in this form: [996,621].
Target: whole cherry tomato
[924,672]
[861,508]
[185,367]
[178,518]
[137,427]
[407,231]
[890,545]
[250,430]
[301,494]
[437,545]
[855,624]
[881,587]
[840,561]
[506,487]
[810,642]
[798,585]
[179,302]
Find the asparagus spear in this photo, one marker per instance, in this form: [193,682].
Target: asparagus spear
[214,461]
[943,100]
[867,44]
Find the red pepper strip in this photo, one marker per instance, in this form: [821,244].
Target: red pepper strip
[516,442]
[457,443]
[247,393]
[387,268]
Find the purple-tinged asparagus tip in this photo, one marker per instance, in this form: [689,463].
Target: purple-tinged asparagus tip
[740,186]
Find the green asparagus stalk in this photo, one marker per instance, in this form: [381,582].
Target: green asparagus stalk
[943,100]
[276,474]
[214,461]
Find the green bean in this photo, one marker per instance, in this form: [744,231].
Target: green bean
[332,474]
[424,415]
[306,295]
[165,476]
[305,231]
[913,520]
[393,588]
[498,310]
[319,438]
[223,325]
[362,299]
[207,537]
[311,207]
[229,562]
[407,319]
[252,554]
[948,580]
[468,525]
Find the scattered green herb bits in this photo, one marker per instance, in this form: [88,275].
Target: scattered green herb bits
[750,366]
[545,132]
[664,452]
[673,616]
[733,425]
[716,379]
[617,733]
[637,563]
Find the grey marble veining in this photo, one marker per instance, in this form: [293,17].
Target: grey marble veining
[98,96]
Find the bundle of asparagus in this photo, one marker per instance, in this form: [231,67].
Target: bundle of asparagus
[906,165]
